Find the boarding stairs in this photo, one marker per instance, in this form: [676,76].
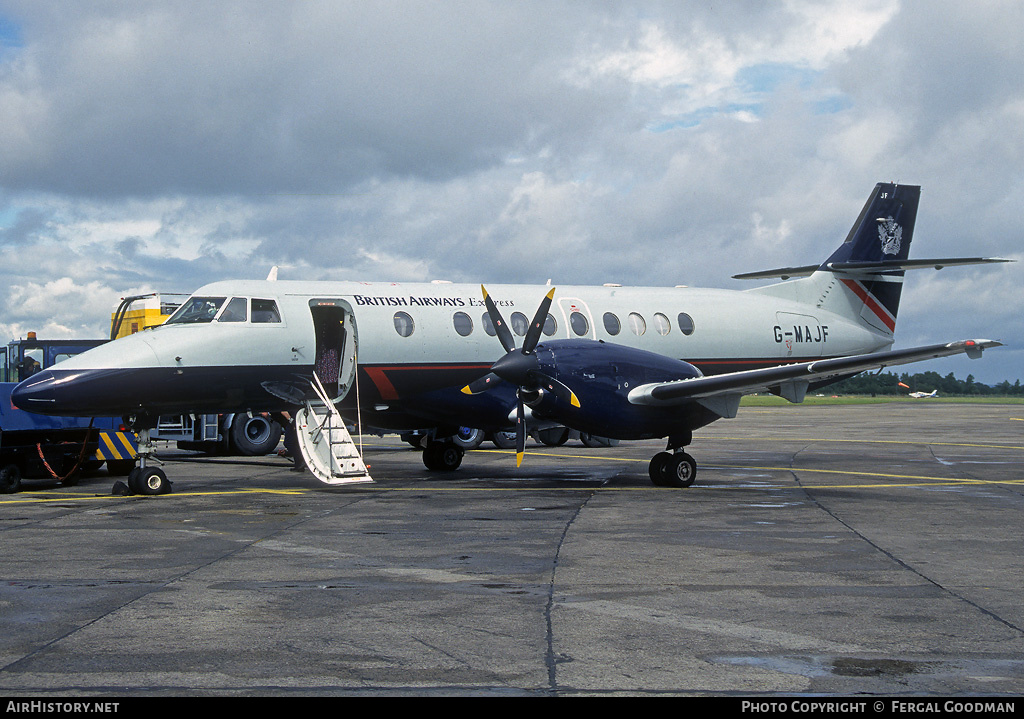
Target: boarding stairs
[326,445]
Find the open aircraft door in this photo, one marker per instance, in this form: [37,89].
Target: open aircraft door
[323,438]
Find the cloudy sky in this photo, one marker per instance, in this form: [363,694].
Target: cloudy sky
[158,145]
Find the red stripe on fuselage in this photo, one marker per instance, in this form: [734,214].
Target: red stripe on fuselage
[872,304]
[378,375]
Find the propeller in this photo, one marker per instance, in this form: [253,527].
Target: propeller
[520,366]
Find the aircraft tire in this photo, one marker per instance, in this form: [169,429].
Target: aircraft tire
[10,479]
[657,468]
[442,456]
[593,441]
[680,470]
[504,440]
[149,481]
[469,438]
[255,436]
[554,437]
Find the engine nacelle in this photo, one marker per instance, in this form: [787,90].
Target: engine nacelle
[601,374]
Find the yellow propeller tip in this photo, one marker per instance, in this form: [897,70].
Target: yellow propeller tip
[574,401]
[519,458]
[466,390]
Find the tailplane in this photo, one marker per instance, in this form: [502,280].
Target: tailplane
[869,265]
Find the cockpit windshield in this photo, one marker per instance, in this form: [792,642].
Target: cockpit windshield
[196,310]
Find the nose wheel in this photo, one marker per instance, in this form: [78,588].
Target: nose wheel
[144,479]
[148,480]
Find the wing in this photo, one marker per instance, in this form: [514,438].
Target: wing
[721,393]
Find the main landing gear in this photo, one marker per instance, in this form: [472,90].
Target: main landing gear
[442,456]
[674,467]
[144,479]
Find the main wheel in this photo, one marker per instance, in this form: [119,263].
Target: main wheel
[469,438]
[504,440]
[554,437]
[657,468]
[148,480]
[680,470]
[442,456]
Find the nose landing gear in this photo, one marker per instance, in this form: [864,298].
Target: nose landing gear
[144,479]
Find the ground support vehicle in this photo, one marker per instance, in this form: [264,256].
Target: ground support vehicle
[62,449]
[249,435]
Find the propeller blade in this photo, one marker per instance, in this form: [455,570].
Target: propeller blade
[533,334]
[502,330]
[520,433]
[556,388]
[483,384]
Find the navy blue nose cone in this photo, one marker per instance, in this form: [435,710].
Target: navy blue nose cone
[36,394]
[67,393]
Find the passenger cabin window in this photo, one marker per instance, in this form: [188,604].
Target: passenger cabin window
[685,323]
[197,310]
[404,325]
[662,324]
[236,311]
[578,322]
[637,325]
[611,324]
[463,324]
[519,323]
[485,320]
[550,325]
[265,311]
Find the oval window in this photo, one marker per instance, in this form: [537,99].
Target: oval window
[685,323]
[519,323]
[485,320]
[611,324]
[579,324]
[404,324]
[550,325]
[661,324]
[463,323]
[637,325]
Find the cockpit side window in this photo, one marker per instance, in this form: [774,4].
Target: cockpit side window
[265,311]
[196,310]
[235,311]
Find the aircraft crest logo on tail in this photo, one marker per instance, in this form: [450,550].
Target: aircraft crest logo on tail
[891,234]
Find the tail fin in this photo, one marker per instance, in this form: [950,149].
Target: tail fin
[867,263]
[884,229]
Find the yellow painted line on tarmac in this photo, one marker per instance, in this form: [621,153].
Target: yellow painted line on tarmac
[39,498]
[865,441]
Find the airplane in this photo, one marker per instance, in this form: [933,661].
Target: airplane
[923,395]
[628,363]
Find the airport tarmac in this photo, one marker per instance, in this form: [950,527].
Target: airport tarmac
[868,550]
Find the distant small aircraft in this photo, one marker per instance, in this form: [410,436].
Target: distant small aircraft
[612,361]
[920,395]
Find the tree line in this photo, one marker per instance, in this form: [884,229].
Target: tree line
[889,383]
